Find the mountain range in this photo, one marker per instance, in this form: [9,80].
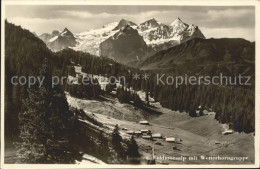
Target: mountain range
[158,34]
[155,35]
[59,40]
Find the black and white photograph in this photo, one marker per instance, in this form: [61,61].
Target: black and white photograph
[129,83]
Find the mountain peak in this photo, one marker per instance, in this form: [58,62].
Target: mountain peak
[123,23]
[125,31]
[152,20]
[66,32]
[178,23]
[151,23]
[66,29]
[177,20]
[128,39]
[127,27]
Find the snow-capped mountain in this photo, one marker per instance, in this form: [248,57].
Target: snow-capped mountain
[125,46]
[151,23]
[178,26]
[193,32]
[157,35]
[59,40]
[89,41]
[123,23]
[176,33]
[46,36]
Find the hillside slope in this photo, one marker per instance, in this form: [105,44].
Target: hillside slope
[206,55]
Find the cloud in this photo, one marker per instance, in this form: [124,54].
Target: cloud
[85,14]
[104,15]
[230,13]
[231,18]
[245,33]
[39,25]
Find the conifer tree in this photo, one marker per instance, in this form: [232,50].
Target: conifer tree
[46,126]
[132,148]
[117,143]
[103,146]
[132,151]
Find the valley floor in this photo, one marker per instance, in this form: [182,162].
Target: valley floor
[200,137]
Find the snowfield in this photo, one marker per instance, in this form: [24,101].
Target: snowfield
[89,41]
[53,39]
[88,159]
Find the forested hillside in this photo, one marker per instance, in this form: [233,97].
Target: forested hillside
[24,54]
[49,130]
[234,105]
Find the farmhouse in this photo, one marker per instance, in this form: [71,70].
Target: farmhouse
[138,132]
[170,139]
[157,135]
[216,142]
[145,131]
[144,122]
[146,137]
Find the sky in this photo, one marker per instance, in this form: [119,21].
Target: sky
[213,21]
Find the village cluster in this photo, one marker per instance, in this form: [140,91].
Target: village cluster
[147,134]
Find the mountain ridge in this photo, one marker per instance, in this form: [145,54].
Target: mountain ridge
[157,35]
[122,23]
[201,51]
[59,40]
[125,46]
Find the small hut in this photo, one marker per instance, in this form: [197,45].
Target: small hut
[157,135]
[144,122]
[170,139]
[146,137]
[144,131]
[138,133]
